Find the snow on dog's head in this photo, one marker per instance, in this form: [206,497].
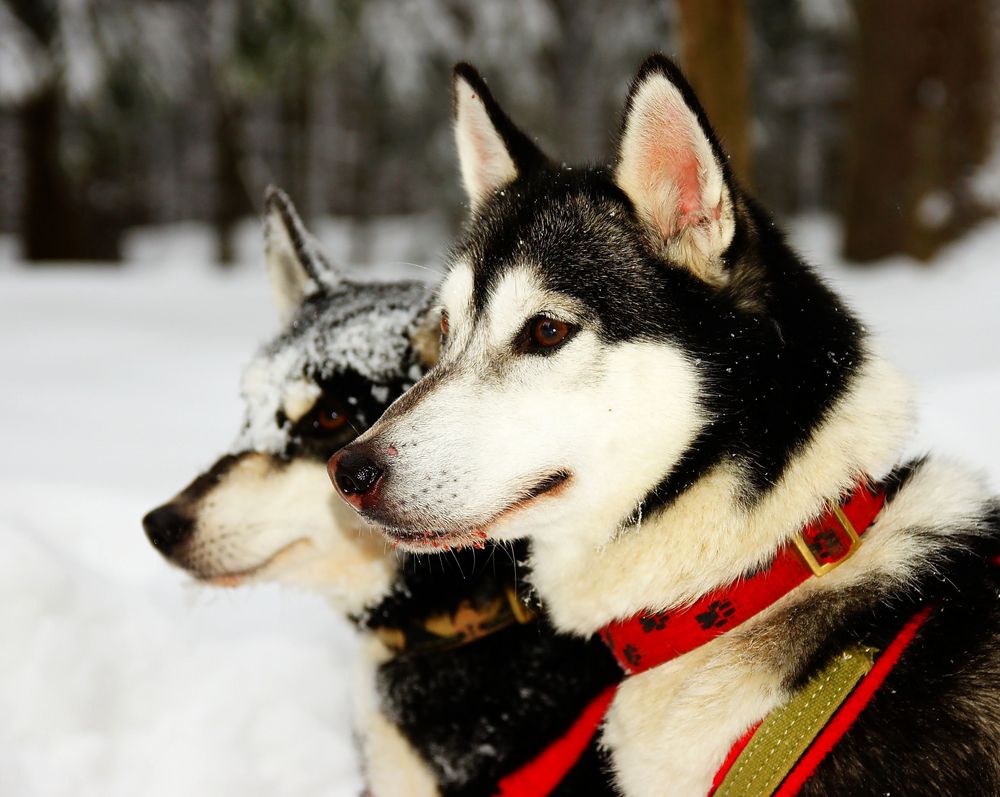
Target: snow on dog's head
[345,350]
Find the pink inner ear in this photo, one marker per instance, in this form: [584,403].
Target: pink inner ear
[688,187]
[492,161]
[671,160]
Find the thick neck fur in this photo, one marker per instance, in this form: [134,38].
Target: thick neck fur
[939,520]
[709,536]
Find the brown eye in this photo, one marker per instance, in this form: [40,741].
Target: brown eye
[548,332]
[329,419]
[444,325]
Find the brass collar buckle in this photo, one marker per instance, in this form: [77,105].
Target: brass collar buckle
[834,514]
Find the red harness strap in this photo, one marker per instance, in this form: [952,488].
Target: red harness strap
[840,722]
[852,707]
[731,757]
[647,640]
[644,641]
[543,773]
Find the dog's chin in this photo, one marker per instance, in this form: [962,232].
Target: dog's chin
[424,541]
[265,570]
[418,537]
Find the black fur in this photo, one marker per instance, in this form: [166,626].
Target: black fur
[933,728]
[522,150]
[478,712]
[590,777]
[776,350]
[351,394]
[774,370]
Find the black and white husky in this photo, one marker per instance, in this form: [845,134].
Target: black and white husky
[457,691]
[642,379]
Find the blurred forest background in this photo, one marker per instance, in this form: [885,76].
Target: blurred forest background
[125,114]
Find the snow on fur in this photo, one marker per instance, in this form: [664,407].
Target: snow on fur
[352,328]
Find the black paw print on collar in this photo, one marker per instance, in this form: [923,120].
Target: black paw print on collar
[716,615]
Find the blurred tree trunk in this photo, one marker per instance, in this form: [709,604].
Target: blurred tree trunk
[296,110]
[45,205]
[368,119]
[714,57]
[922,120]
[57,223]
[579,109]
[47,208]
[231,201]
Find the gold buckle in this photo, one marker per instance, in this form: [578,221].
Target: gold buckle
[810,558]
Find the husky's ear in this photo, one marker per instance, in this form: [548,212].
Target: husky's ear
[296,266]
[491,150]
[671,166]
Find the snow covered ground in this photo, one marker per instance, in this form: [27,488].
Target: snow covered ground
[117,676]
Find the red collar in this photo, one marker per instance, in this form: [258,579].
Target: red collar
[644,640]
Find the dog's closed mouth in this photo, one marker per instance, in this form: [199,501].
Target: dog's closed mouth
[550,483]
[236,577]
[476,537]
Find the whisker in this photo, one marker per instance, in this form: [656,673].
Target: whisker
[513,560]
[457,562]
[415,265]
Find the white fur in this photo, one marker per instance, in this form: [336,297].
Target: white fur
[270,519]
[517,297]
[572,411]
[668,729]
[675,723]
[299,397]
[664,149]
[455,295]
[261,508]
[485,163]
[392,767]
[666,557]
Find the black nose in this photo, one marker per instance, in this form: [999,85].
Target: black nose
[354,472]
[167,527]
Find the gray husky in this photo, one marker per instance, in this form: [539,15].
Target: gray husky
[445,641]
[643,380]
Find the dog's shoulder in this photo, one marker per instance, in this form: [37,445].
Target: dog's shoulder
[933,727]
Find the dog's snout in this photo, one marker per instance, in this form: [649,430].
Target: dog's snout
[356,474]
[167,527]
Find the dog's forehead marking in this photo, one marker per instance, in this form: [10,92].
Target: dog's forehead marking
[456,290]
[455,296]
[299,397]
[517,295]
[568,230]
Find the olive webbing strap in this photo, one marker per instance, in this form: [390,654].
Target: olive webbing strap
[788,731]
